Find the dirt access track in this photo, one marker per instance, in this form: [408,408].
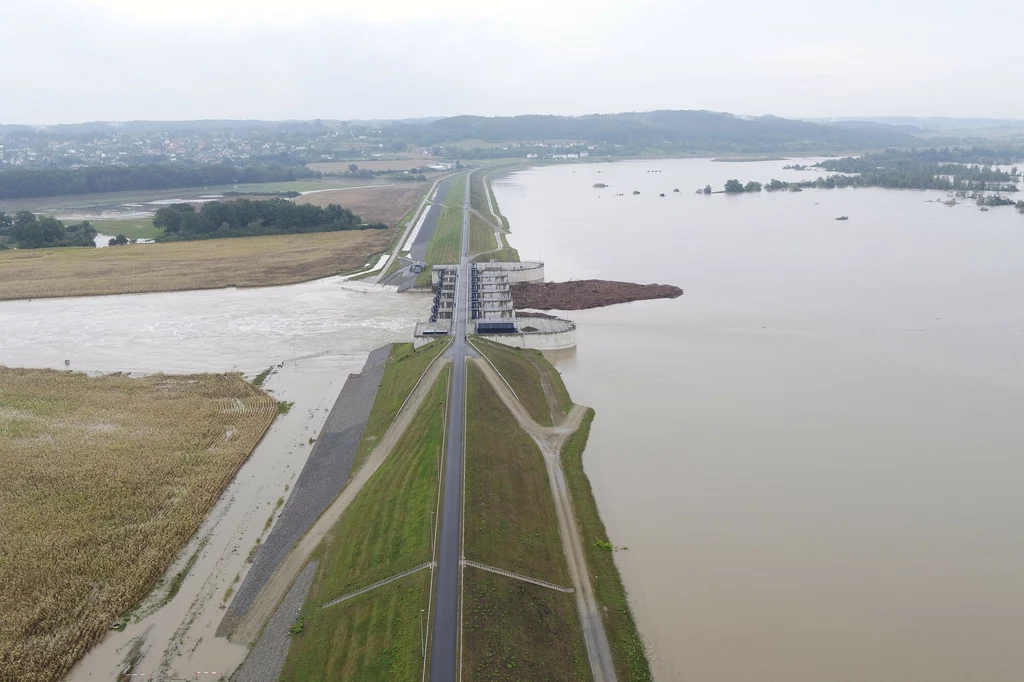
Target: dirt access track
[376,204]
[586,293]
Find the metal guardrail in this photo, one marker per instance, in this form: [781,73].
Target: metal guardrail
[516,576]
[379,583]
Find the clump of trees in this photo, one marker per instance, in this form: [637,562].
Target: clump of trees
[993,200]
[120,240]
[25,230]
[736,187]
[246,218]
[19,183]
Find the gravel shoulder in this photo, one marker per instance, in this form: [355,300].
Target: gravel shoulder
[266,660]
[324,475]
[248,626]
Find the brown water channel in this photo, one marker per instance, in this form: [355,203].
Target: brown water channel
[815,456]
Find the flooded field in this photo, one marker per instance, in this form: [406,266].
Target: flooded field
[814,455]
[318,332]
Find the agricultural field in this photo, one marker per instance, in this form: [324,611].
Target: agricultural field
[386,530]
[513,630]
[95,204]
[105,479]
[418,161]
[386,204]
[177,266]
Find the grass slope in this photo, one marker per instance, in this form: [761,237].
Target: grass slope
[386,530]
[404,368]
[514,631]
[481,236]
[626,643]
[104,479]
[373,638]
[209,264]
[527,371]
[510,519]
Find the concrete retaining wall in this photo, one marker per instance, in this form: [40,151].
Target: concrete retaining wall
[536,340]
[528,271]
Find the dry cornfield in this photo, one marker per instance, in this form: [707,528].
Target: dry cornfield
[386,204]
[177,266]
[104,480]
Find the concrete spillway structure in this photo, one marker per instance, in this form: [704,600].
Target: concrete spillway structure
[492,310]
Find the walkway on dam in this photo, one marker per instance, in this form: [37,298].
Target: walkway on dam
[444,664]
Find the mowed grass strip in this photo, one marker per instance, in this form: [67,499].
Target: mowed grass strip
[510,519]
[446,244]
[404,368]
[481,235]
[134,228]
[104,480]
[373,638]
[385,531]
[456,192]
[527,372]
[514,631]
[627,645]
[478,193]
[208,264]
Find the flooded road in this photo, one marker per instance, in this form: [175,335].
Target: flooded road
[815,455]
[315,334]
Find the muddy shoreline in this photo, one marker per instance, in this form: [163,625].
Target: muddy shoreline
[586,293]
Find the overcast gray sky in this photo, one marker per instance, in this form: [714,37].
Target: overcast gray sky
[85,60]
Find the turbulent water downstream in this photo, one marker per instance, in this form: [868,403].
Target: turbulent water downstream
[815,455]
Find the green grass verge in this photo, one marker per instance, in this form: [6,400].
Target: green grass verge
[385,530]
[446,244]
[510,519]
[505,255]
[627,645]
[481,236]
[515,631]
[136,228]
[456,192]
[478,192]
[374,637]
[404,368]
[527,371]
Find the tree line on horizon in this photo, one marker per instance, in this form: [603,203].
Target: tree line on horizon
[24,183]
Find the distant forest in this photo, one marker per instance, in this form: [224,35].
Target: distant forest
[902,169]
[245,218]
[25,230]
[20,183]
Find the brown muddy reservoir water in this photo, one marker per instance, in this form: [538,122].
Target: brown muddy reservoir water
[816,455]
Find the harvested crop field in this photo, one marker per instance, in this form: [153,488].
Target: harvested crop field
[381,204]
[586,293]
[105,479]
[419,161]
[178,266]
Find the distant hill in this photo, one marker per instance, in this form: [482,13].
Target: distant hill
[668,131]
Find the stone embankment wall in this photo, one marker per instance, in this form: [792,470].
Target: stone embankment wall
[550,334]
